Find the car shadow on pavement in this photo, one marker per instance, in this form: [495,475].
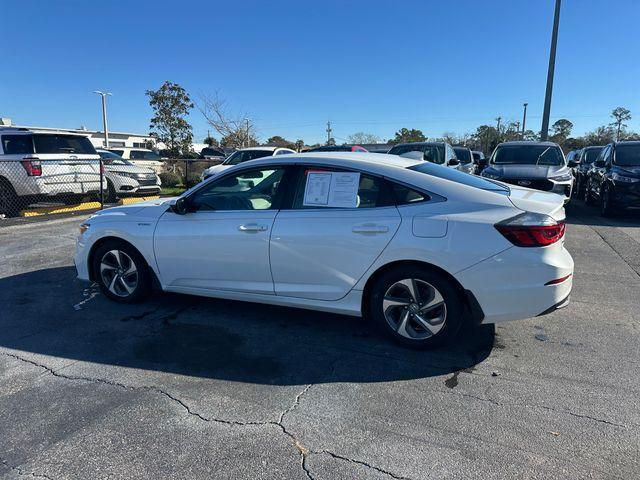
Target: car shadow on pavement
[580,214]
[49,312]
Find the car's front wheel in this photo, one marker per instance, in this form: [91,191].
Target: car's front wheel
[416,307]
[121,272]
[606,209]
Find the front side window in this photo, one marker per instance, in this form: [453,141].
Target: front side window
[527,155]
[17,144]
[628,155]
[247,190]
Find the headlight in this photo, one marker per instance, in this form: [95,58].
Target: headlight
[565,177]
[621,178]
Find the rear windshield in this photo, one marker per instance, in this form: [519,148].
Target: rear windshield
[46,143]
[330,148]
[527,155]
[211,151]
[432,153]
[463,154]
[460,177]
[591,154]
[628,155]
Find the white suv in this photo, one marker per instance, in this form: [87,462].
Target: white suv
[244,155]
[37,165]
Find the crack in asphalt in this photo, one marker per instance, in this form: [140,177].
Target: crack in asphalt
[21,472]
[544,407]
[304,451]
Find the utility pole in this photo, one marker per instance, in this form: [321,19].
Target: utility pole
[104,116]
[524,118]
[544,132]
[328,132]
[247,145]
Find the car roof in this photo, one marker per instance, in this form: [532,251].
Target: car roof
[266,148]
[418,143]
[628,142]
[29,131]
[529,142]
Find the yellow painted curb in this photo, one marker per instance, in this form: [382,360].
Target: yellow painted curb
[130,200]
[34,212]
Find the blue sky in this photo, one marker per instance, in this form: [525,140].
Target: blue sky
[373,66]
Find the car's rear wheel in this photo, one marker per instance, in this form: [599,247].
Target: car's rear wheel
[9,201]
[416,307]
[121,272]
[111,193]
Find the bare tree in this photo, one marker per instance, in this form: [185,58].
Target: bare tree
[236,130]
[360,138]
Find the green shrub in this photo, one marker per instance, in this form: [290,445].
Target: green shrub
[170,179]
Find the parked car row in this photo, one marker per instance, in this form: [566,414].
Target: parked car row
[37,166]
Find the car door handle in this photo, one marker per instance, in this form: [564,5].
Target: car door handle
[370,228]
[252,227]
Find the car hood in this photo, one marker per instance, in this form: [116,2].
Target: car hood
[215,170]
[529,171]
[531,200]
[148,210]
[631,170]
[128,169]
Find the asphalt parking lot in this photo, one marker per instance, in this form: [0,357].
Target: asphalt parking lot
[185,387]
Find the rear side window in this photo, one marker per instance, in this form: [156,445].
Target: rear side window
[72,144]
[405,195]
[17,144]
[372,191]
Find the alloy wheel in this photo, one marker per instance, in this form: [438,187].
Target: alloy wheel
[119,273]
[414,309]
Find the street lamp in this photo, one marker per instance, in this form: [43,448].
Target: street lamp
[544,132]
[524,119]
[104,116]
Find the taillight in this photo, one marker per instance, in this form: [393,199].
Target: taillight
[531,230]
[33,167]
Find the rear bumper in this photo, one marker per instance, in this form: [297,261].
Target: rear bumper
[511,285]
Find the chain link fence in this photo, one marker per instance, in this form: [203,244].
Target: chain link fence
[30,186]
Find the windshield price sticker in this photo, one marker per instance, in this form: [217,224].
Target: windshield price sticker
[331,189]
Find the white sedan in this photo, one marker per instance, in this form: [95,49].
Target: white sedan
[416,247]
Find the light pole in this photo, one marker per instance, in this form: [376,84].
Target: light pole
[544,132]
[524,119]
[104,116]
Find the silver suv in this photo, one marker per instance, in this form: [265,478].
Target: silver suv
[37,166]
[537,165]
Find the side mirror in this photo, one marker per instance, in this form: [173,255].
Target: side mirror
[454,162]
[179,206]
[573,163]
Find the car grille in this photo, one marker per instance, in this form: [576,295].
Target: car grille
[536,184]
[147,182]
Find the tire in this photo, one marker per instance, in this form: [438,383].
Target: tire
[587,196]
[10,203]
[396,311]
[110,272]
[606,209]
[111,193]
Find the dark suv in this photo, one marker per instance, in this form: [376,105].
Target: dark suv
[587,156]
[614,178]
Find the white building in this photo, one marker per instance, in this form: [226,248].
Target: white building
[116,139]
